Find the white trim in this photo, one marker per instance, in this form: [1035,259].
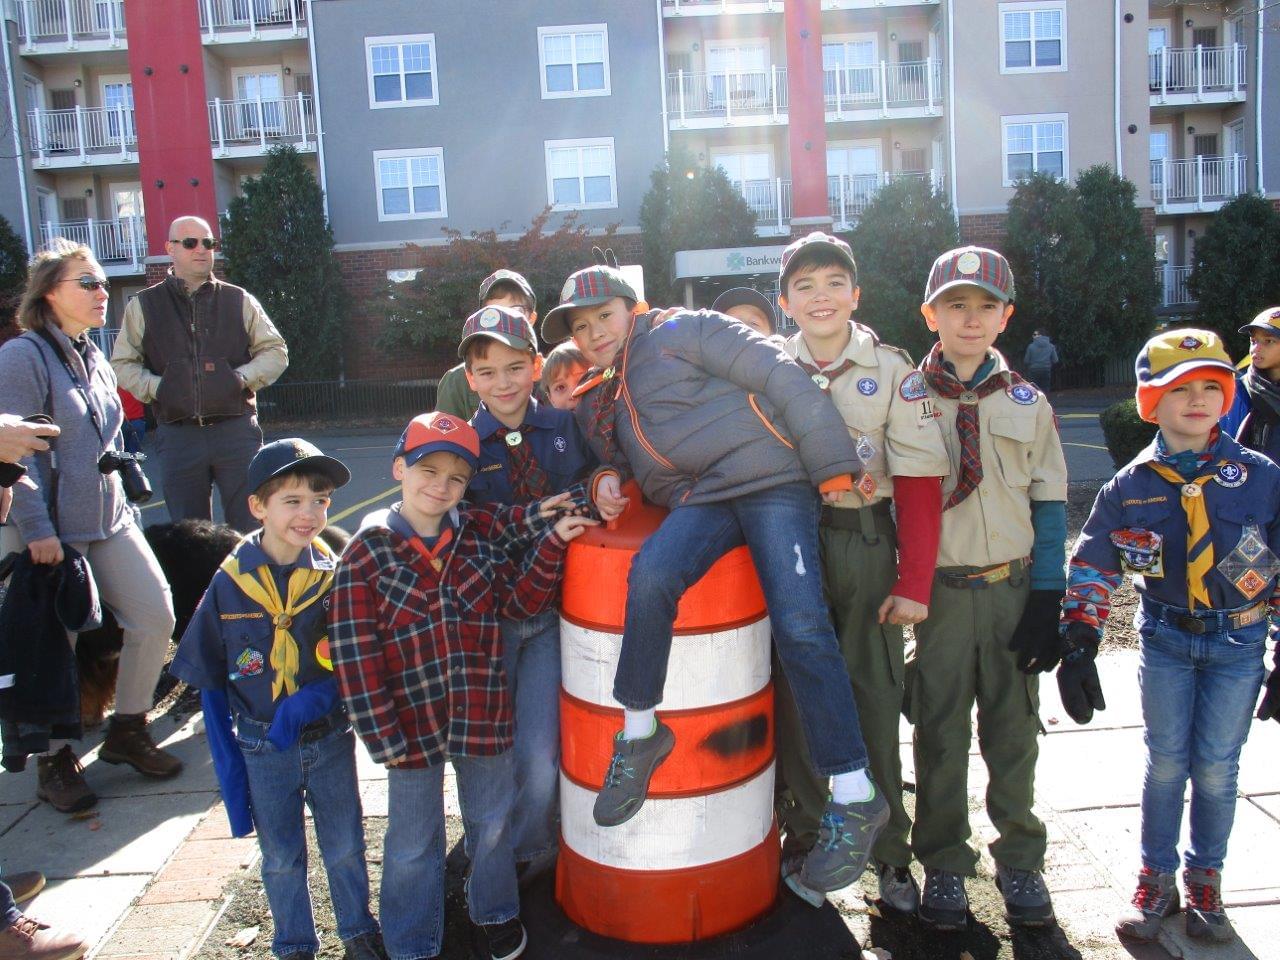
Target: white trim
[1012,6]
[318,119]
[738,42]
[573,31]
[1033,118]
[400,40]
[433,241]
[379,155]
[549,145]
[743,150]
[874,142]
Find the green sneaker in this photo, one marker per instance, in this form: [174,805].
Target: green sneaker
[626,783]
[845,838]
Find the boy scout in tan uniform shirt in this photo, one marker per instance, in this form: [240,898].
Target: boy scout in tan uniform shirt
[882,400]
[988,631]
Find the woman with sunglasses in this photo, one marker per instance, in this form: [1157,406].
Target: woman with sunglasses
[72,499]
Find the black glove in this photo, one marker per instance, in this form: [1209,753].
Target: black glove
[1036,640]
[1269,709]
[1078,676]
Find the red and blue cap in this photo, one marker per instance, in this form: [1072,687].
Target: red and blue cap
[436,431]
[586,288]
[972,267]
[498,323]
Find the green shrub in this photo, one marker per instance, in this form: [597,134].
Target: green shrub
[1127,433]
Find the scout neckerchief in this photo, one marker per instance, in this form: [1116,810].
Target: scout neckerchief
[1199,538]
[605,398]
[529,481]
[306,586]
[947,385]
[1264,401]
[825,377]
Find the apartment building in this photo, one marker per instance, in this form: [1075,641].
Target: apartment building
[419,116]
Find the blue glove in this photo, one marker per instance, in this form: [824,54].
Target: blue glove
[228,761]
[294,712]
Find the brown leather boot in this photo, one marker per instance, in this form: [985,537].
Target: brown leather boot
[60,780]
[29,939]
[128,742]
[24,885]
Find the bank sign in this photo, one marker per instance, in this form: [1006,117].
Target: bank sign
[726,262]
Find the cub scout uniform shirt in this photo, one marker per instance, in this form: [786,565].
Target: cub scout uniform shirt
[1021,461]
[883,402]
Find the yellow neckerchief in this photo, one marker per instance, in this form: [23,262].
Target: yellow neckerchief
[306,586]
[1199,540]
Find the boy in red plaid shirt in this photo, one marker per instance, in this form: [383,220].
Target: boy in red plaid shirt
[416,648]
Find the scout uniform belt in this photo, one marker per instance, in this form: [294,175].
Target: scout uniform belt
[1203,621]
[877,518]
[981,579]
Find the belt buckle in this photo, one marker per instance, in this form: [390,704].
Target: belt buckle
[1190,624]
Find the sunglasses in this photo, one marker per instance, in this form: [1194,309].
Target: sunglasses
[89,283]
[190,243]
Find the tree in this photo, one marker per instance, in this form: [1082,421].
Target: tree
[279,247]
[900,233]
[1123,288]
[1049,249]
[688,207]
[427,311]
[13,275]
[1236,269]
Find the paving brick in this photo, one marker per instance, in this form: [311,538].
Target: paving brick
[213,827]
[241,850]
[182,868]
[184,891]
[165,915]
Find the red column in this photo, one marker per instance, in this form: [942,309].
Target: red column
[166,64]
[806,114]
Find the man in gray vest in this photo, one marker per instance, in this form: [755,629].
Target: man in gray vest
[199,350]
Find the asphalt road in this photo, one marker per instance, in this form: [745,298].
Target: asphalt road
[368,455]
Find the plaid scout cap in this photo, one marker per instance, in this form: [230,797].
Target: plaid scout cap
[431,432]
[746,297]
[509,276]
[1268,321]
[971,266]
[1169,355]
[797,251]
[498,323]
[290,455]
[586,288]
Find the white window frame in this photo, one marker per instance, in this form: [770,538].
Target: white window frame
[400,40]
[379,155]
[1007,122]
[741,150]
[573,30]
[1031,9]
[549,145]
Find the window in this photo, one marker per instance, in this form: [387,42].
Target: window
[410,183]
[850,69]
[1204,145]
[580,174]
[914,160]
[1033,38]
[575,61]
[1204,37]
[910,51]
[402,71]
[1034,144]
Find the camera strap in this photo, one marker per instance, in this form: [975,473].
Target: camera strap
[54,475]
[48,338]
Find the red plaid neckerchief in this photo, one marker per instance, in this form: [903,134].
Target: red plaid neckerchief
[529,481]
[944,382]
[815,371]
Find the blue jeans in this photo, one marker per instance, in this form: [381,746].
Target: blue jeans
[322,774]
[9,911]
[1198,695]
[780,528]
[412,907]
[531,660]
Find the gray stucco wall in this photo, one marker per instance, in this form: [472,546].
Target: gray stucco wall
[491,120]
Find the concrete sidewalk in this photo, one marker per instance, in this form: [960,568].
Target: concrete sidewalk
[143,878]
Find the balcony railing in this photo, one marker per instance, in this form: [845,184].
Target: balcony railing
[731,95]
[883,86]
[1197,70]
[85,132]
[69,22]
[1173,285]
[112,241]
[1197,180]
[250,16]
[849,194]
[265,123]
[722,6]
[770,200]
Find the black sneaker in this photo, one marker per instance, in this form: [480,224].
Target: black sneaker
[626,784]
[943,904]
[506,940]
[367,946]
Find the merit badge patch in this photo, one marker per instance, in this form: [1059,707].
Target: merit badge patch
[969,263]
[489,318]
[913,387]
[866,486]
[867,387]
[248,664]
[1251,564]
[866,449]
[1023,393]
[560,444]
[1142,551]
[323,656]
[1231,475]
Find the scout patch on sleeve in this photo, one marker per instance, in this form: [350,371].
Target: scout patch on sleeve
[1142,551]
[1023,393]
[913,387]
[248,664]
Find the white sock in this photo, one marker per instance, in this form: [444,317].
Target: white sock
[852,787]
[638,724]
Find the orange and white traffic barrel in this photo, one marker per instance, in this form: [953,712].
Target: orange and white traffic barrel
[700,859]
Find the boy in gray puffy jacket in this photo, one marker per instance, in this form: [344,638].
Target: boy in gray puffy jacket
[719,426]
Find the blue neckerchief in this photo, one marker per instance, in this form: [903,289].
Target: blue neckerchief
[983,372]
[1189,463]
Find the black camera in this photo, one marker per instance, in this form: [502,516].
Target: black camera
[129,466]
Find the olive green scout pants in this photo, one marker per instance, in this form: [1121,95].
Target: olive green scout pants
[960,657]
[859,568]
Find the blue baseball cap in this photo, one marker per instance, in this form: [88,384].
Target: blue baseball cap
[294,455]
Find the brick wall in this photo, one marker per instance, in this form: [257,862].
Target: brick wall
[983,229]
[1148,215]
